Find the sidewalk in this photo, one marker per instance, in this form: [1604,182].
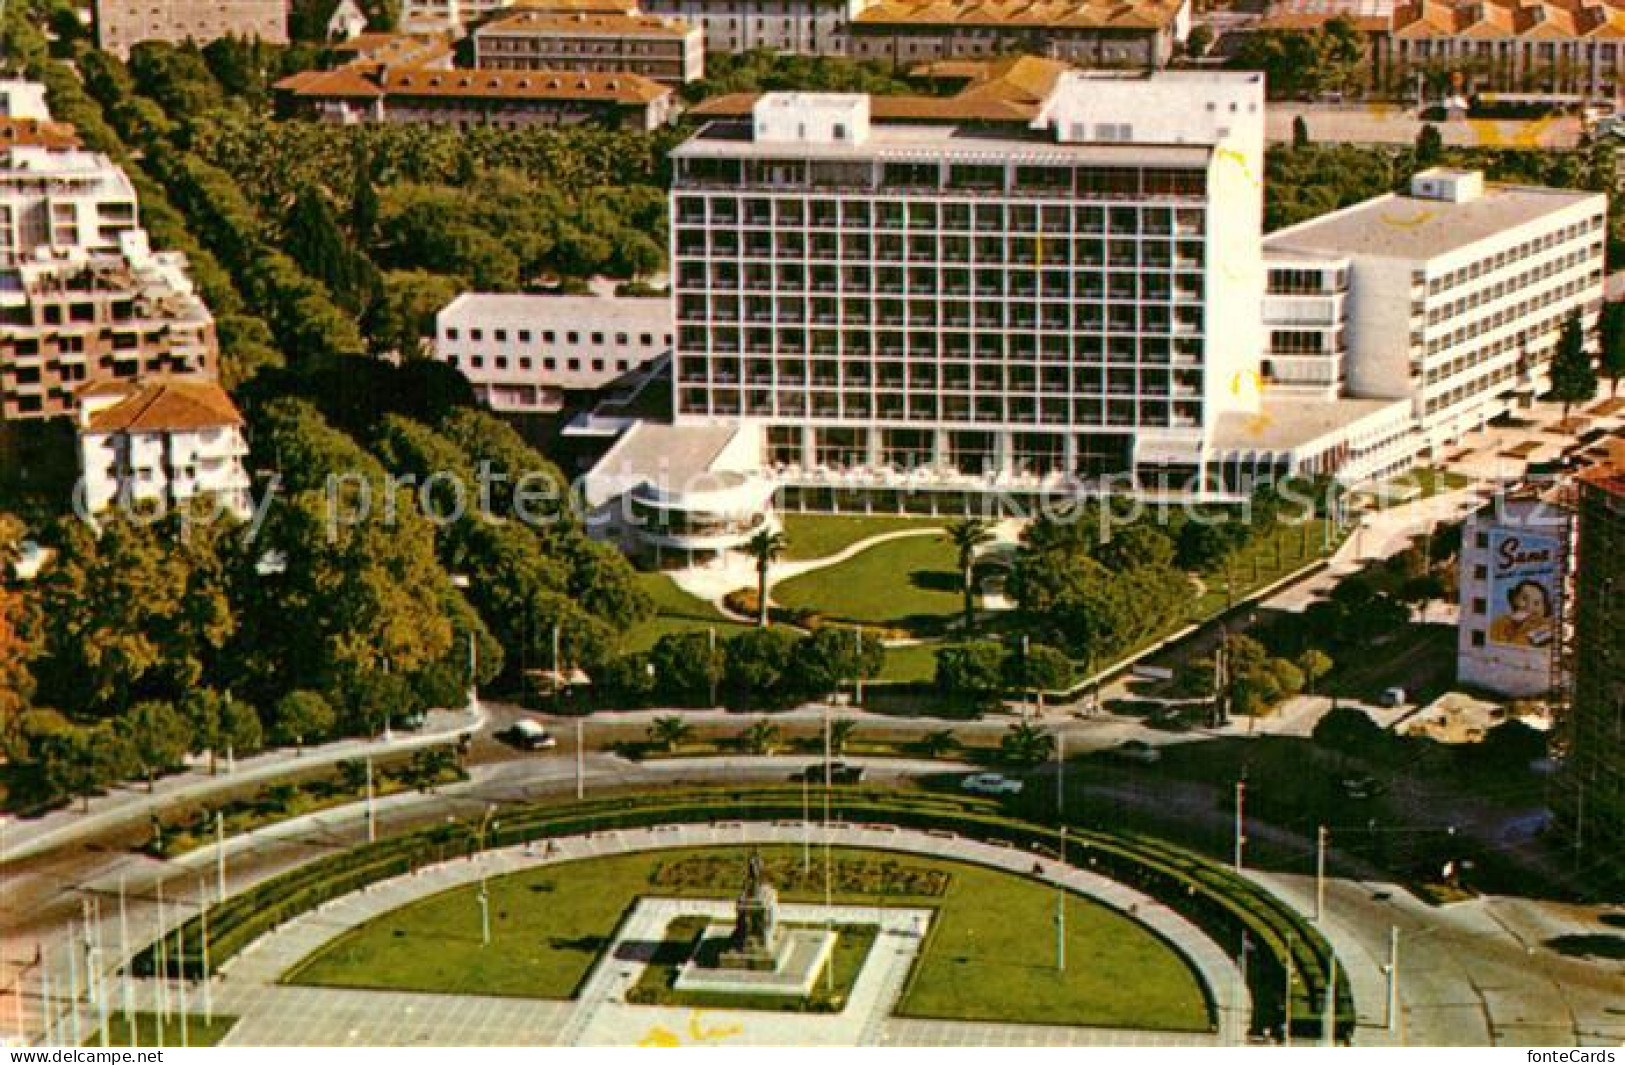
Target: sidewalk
[128,804]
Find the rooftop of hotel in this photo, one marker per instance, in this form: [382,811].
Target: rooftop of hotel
[164,405]
[357,81]
[583,23]
[1049,14]
[1411,227]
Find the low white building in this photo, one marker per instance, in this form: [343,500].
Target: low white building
[1451,297]
[164,441]
[1513,577]
[523,353]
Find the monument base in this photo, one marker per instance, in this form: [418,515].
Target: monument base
[802,954]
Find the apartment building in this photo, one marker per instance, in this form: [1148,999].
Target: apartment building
[665,50]
[1451,296]
[123,24]
[368,91]
[1592,805]
[1533,46]
[163,442]
[926,304]
[804,27]
[523,353]
[82,296]
[1098,33]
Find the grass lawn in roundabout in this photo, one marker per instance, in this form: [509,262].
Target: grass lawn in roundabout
[989,954]
[912,583]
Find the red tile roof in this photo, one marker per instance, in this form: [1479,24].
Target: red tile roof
[162,406]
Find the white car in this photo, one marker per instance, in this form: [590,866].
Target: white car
[991,784]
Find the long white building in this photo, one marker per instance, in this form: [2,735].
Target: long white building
[1450,298]
[523,353]
[956,306]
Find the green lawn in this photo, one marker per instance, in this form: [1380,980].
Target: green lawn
[1287,548]
[822,535]
[148,1033]
[909,664]
[675,611]
[906,584]
[988,956]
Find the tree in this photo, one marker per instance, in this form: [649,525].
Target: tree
[688,666]
[158,735]
[1198,41]
[841,731]
[79,761]
[761,738]
[1349,731]
[203,709]
[1429,145]
[1024,744]
[1574,378]
[301,716]
[971,673]
[1314,664]
[670,732]
[1300,132]
[765,547]
[16,650]
[1611,344]
[240,728]
[762,666]
[1039,668]
[968,536]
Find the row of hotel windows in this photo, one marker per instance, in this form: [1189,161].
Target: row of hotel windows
[972,451]
[852,214]
[727,280]
[1523,309]
[1084,182]
[1534,245]
[1157,253]
[1088,347]
[963,377]
[1476,389]
[1295,282]
[1122,317]
[576,46]
[1491,293]
[928,407]
[525,362]
[549,336]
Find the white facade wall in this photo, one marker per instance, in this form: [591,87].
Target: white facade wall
[805,27]
[521,353]
[62,200]
[165,468]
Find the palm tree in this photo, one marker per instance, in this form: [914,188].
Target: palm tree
[671,732]
[761,737]
[765,547]
[967,535]
[841,731]
[936,744]
[1025,744]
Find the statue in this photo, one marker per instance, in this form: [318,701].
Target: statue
[755,942]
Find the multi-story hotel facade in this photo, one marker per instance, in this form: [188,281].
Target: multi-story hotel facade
[667,50]
[962,306]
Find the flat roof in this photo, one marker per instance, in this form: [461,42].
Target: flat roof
[585,311]
[1285,422]
[1410,227]
[921,143]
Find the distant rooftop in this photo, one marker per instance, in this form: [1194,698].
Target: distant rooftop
[1046,14]
[634,312]
[1411,227]
[583,24]
[1285,423]
[166,405]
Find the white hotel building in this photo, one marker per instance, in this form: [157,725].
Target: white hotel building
[1450,298]
[951,307]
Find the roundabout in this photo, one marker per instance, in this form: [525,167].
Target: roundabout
[951,924]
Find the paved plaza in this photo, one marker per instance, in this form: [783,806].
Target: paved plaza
[273,1014]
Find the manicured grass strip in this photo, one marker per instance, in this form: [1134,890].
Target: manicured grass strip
[148,1032]
[908,584]
[1286,548]
[822,535]
[989,957]
[675,611]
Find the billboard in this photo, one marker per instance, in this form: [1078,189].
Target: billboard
[1525,581]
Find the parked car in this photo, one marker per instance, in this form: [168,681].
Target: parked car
[411,722]
[839,773]
[1393,697]
[991,784]
[528,736]
[1362,787]
[1137,751]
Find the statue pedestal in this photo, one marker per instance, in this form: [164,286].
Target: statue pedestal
[792,969]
